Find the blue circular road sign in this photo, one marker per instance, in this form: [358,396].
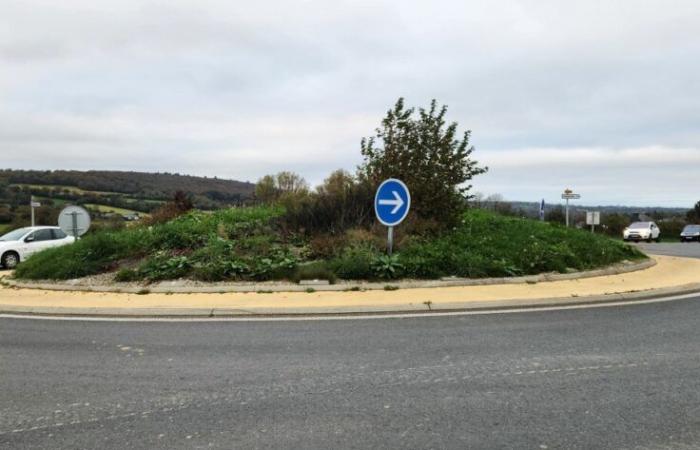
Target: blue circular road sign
[392,202]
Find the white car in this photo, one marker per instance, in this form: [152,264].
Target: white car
[20,244]
[642,231]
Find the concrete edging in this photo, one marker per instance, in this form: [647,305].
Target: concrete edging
[171,287]
[365,310]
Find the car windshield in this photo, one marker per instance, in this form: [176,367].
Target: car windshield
[14,235]
[640,225]
[692,229]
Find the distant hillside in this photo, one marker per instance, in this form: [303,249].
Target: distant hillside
[137,184]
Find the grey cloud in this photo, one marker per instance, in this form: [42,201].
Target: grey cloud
[231,89]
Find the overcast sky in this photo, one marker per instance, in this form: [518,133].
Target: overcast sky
[600,96]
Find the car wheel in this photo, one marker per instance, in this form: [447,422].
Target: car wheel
[10,260]
[650,240]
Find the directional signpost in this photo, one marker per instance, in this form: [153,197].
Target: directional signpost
[74,221]
[542,210]
[33,204]
[391,205]
[569,195]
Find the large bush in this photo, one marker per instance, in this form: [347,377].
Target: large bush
[426,153]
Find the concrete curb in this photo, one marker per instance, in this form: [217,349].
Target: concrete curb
[355,310]
[172,287]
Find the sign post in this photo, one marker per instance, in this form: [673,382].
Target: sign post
[391,204]
[542,211]
[569,195]
[33,205]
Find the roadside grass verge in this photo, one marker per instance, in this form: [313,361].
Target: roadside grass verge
[251,244]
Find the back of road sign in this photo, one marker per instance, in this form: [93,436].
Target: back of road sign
[592,217]
[392,202]
[74,221]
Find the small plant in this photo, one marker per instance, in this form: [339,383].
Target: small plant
[355,263]
[143,292]
[389,287]
[310,290]
[387,267]
[164,268]
[127,275]
[317,270]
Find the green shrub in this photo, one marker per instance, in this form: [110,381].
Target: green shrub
[355,263]
[316,270]
[387,267]
[164,267]
[273,267]
[127,275]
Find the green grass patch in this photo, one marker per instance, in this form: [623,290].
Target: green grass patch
[112,209]
[490,245]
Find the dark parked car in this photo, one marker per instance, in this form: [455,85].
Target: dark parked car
[690,233]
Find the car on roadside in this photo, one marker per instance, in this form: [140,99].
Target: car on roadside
[642,231]
[18,245]
[690,233]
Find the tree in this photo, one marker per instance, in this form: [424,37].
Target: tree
[614,223]
[340,203]
[266,189]
[556,215]
[694,214]
[428,155]
[290,182]
[271,188]
[179,205]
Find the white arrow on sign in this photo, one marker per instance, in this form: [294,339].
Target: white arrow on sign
[397,202]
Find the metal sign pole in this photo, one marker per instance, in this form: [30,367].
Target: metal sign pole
[75,224]
[31,204]
[390,240]
[567,212]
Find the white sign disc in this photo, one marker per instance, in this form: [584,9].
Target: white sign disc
[74,221]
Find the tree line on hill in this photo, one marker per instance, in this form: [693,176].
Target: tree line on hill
[137,191]
[137,184]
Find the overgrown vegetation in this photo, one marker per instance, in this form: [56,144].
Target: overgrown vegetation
[251,244]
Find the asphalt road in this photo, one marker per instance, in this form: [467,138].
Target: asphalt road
[687,250]
[618,377]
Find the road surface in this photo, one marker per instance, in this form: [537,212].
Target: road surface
[617,377]
[687,250]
